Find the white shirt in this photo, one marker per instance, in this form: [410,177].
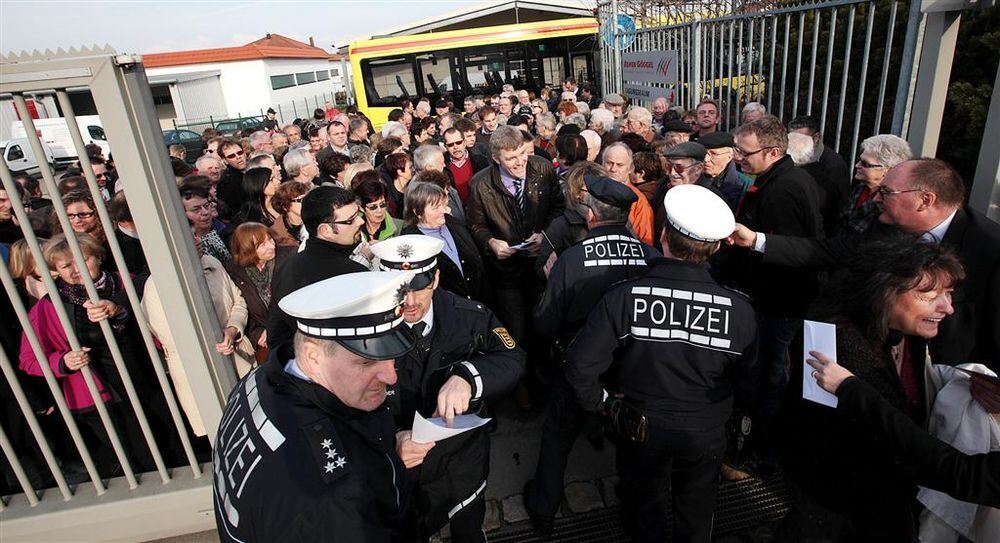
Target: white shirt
[292,368]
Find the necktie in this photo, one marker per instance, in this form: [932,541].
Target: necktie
[418,329]
[519,194]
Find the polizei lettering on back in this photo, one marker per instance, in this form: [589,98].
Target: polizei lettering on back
[612,250]
[698,318]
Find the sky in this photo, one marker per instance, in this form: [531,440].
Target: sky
[142,26]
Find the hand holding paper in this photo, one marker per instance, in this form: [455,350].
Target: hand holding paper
[435,429]
[820,337]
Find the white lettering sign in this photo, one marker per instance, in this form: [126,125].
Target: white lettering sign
[650,67]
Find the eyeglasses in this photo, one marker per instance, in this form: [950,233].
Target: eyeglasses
[883,192]
[680,168]
[868,165]
[376,207]
[83,215]
[207,206]
[348,222]
[451,144]
[745,154]
[234,155]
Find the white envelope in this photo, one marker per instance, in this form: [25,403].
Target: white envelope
[820,337]
[435,429]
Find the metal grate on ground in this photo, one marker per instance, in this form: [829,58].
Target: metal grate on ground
[742,505]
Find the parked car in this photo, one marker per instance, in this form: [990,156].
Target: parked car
[240,127]
[191,141]
[55,133]
[20,158]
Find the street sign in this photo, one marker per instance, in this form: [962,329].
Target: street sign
[650,67]
[626,31]
[648,94]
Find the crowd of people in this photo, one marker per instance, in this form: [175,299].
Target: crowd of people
[581,255]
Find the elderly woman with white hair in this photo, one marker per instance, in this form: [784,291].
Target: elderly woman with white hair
[878,154]
[545,126]
[602,121]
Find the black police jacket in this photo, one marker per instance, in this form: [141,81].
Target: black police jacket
[293,463]
[581,276]
[674,342]
[318,261]
[466,340]
[492,212]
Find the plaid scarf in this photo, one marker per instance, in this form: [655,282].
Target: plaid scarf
[107,288]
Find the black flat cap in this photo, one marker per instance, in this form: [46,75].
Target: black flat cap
[688,149]
[677,125]
[609,191]
[716,140]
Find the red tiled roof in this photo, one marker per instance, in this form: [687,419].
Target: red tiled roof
[270,46]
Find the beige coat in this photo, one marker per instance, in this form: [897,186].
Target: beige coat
[231,310]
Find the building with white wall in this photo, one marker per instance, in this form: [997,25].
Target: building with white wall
[292,77]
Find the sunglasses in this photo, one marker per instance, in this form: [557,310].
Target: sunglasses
[234,155]
[83,215]
[376,207]
[455,143]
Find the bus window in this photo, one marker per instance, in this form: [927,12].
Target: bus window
[436,70]
[517,68]
[549,71]
[477,66]
[388,80]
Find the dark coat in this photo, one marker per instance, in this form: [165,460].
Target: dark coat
[327,151]
[972,333]
[318,261]
[834,195]
[858,477]
[300,465]
[562,233]
[492,212]
[783,200]
[257,310]
[470,281]
[466,340]
[930,461]
[230,189]
[836,169]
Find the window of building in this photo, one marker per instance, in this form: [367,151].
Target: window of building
[282,81]
[323,75]
[305,78]
[335,72]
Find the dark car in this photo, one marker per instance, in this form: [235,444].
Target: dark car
[191,141]
[240,127]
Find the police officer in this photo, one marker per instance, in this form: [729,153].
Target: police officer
[305,448]
[463,359]
[583,273]
[674,345]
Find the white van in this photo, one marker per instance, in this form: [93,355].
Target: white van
[20,158]
[55,133]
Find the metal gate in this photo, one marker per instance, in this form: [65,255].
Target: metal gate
[170,499]
[860,67]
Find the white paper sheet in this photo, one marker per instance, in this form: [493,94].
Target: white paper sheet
[820,337]
[435,429]
[523,246]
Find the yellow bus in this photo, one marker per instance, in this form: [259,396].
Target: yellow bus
[459,63]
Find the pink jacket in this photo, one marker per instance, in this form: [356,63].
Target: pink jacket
[55,345]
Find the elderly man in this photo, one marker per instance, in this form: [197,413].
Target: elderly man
[752,111]
[300,165]
[924,197]
[617,160]
[441,108]
[660,107]
[509,205]
[305,447]
[230,188]
[294,133]
[430,157]
[707,118]
[260,142]
[337,138]
[829,160]
[593,144]
[506,108]
[721,173]
[545,126]
[464,359]
[333,220]
[210,167]
[614,103]
[422,109]
[640,121]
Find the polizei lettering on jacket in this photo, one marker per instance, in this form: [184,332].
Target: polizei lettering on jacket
[612,250]
[697,318]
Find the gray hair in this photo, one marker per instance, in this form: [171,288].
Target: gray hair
[258,159]
[353,170]
[583,108]
[424,107]
[418,196]
[603,116]
[593,139]
[301,144]
[567,95]
[754,107]
[423,155]
[538,102]
[397,130]
[641,115]
[259,137]
[577,119]
[361,153]
[356,123]
[801,148]
[618,145]
[547,120]
[204,159]
[506,138]
[295,160]
[890,150]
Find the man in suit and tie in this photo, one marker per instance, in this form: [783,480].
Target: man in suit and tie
[922,196]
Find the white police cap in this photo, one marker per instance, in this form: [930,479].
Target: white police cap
[362,311]
[698,213]
[412,252]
